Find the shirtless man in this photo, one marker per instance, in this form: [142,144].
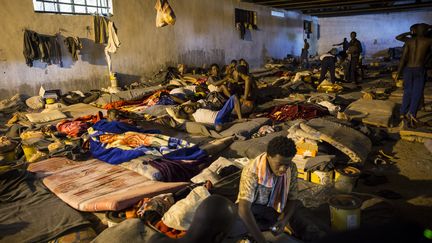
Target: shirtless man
[413,63]
[245,87]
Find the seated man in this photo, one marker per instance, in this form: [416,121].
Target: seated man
[244,86]
[242,62]
[211,223]
[268,190]
[228,69]
[195,112]
[216,83]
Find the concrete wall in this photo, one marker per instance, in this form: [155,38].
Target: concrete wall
[204,33]
[377,32]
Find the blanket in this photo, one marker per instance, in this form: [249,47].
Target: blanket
[29,212]
[115,143]
[346,139]
[373,112]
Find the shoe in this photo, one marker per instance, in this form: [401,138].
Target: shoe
[403,122]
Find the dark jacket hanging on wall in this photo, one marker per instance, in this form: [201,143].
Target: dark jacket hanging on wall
[41,47]
[73,45]
[31,46]
[50,49]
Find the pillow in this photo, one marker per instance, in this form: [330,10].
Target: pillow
[46,116]
[139,166]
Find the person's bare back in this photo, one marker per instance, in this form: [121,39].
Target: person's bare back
[417,50]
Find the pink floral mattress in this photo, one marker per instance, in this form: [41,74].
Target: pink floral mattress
[94,185]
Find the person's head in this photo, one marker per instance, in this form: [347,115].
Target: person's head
[243,62]
[305,40]
[345,39]
[280,151]
[233,63]
[239,72]
[421,29]
[212,221]
[353,35]
[189,109]
[214,70]
[413,29]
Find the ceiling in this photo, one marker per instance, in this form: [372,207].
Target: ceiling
[334,8]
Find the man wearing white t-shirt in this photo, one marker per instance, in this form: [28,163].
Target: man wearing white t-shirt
[194,112]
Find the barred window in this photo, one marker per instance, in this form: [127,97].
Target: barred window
[78,7]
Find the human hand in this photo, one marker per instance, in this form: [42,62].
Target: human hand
[278,228]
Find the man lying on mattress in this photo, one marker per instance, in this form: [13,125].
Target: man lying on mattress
[196,112]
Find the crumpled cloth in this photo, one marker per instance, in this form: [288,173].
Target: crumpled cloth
[294,112]
[6,144]
[159,204]
[78,126]
[328,87]
[264,130]
[72,128]
[12,104]
[170,232]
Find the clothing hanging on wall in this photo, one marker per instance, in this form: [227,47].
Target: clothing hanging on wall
[164,14]
[31,47]
[112,44]
[245,19]
[106,33]
[100,29]
[73,45]
[41,47]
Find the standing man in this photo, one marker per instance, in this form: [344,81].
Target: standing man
[414,57]
[268,190]
[304,61]
[354,51]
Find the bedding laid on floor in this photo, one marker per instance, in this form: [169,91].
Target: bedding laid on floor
[29,212]
[97,186]
[115,142]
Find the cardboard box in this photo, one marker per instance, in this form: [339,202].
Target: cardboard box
[307,149]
